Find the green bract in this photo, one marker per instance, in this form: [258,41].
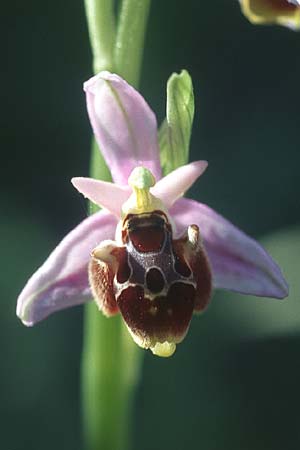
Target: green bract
[175,131]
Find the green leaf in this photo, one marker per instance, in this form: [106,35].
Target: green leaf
[175,132]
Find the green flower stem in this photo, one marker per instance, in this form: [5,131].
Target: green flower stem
[130,39]
[111,361]
[111,364]
[110,368]
[101,26]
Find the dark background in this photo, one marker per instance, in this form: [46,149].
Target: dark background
[234,383]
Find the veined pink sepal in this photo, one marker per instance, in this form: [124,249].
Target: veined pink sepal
[124,126]
[62,281]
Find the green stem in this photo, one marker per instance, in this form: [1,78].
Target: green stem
[130,39]
[101,26]
[111,361]
[110,369]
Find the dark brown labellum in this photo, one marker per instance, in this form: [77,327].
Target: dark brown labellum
[154,280]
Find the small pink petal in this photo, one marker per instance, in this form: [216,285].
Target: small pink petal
[124,126]
[62,281]
[107,195]
[238,262]
[176,183]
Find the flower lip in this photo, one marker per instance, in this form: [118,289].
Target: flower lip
[168,280]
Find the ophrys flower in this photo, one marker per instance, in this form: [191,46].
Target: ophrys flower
[149,254]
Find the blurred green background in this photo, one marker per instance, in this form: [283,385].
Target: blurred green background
[234,383]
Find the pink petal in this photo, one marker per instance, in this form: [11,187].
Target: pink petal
[107,195]
[62,280]
[124,125]
[238,262]
[176,183]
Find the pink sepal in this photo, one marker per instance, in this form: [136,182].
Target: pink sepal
[238,262]
[62,281]
[124,126]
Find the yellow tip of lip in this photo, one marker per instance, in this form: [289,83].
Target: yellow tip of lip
[164,349]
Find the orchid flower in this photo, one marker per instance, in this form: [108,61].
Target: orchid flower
[281,12]
[149,254]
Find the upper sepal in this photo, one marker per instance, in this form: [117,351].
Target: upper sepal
[124,126]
